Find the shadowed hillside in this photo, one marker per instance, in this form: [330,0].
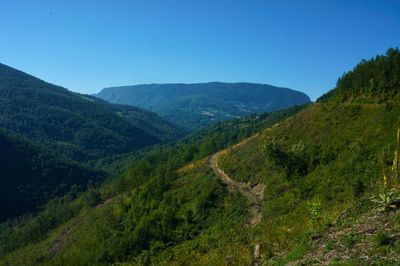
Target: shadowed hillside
[32,175]
[80,126]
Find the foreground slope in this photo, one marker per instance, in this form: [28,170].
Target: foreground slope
[314,167]
[195,106]
[80,126]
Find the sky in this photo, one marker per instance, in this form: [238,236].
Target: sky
[88,45]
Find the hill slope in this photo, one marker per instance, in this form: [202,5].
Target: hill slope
[319,168]
[80,126]
[312,172]
[195,106]
[32,175]
[145,186]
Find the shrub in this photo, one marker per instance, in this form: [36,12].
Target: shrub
[382,238]
[388,197]
[349,240]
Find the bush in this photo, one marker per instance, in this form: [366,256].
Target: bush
[382,238]
[349,240]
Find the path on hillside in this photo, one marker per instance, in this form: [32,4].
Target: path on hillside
[58,243]
[253,194]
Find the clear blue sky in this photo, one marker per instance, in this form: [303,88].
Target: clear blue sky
[86,45]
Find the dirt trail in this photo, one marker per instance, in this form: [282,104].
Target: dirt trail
[253,194]
[58,243]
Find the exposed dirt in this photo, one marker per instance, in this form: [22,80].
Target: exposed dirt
[355,241]
[254,194]
[58,244]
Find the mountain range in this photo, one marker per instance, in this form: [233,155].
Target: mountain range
[195,106]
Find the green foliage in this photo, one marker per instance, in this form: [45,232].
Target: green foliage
[91,198]
[151,208]
[298,251]
[315,207]
[30,229]
[32,175]
[372,81]
[397,247]
[330,245]
[195,106]
[359,187]
[388,196]
[349,240]
[296,162]
[79,126]
[382,238]
[339,149]
[169,208]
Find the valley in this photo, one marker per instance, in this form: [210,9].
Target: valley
[88,182]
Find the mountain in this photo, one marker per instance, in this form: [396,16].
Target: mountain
[196,106]
[32,175]
[79,126]
[311,185]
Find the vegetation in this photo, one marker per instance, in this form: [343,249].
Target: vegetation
[155,206]
[339,162]
[388,197]
[371,81]
[32,175]
[79,126]
[195,106]
[318,166]
[48,129]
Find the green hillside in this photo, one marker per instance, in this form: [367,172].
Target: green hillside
[79,126]
[141,189]
[330,162]
[297,187]
[32,175]
[195,106]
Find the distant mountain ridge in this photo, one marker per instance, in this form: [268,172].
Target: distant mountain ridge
[80,126]
[198,105]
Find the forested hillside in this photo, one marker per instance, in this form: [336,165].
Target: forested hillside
[81,127]
[195,106]
[371,81]
[32,175]
[141,189]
